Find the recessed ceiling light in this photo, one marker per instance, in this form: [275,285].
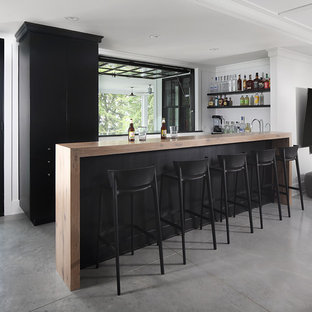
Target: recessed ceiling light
[213,49]
[154,36]
[72,18]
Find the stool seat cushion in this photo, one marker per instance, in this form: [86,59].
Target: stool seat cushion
[308,183]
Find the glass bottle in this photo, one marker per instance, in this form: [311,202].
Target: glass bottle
[230,102]
[261,101]
[239,83]
[211,85]
[249,84]
[211,102]
[248,128]
[131,132]
[163,130]
[232,127]
[267,82]
[230,83]
[257,98]
[261,82]
[234,83]
[242,124]
[220,101]
[237,130]
[216,101]
[246,100]
[225,101]
[251,100]
[244,83]
[256,82]
[215,87]
[242,101]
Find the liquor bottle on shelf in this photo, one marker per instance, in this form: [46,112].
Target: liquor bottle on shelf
[216,101]
[220,101]
[256,82]
[261,81]
[211,102]
[230,83]
[257,98]
[242,101]
[239,83]
[215,86]
[261,101]
[234,83]
[220,84]
[230,103]
[244,83]
[225,101]
[252,100]
[246,100]
[267,82]
[249,83]
[131,132]
[163,130]
[211,85]
[224,84]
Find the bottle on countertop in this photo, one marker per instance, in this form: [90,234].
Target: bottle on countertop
[248,128]
[237,130]
[163,130]
[242,124]
[244,83]
[239,83]
[131,132]
[249,84]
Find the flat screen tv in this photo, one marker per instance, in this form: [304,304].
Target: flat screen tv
[307,129]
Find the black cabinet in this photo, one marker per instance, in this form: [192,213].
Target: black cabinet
[58,103]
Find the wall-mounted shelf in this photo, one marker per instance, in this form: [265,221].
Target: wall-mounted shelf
[238,106]
[240,92]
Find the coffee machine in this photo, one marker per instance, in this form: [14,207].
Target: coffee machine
[217,124]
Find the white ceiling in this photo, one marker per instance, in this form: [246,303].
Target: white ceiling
[188,29]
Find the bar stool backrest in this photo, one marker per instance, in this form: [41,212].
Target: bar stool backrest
[232,162]
[290,152]
[132,179]
[192,168]
[266,156]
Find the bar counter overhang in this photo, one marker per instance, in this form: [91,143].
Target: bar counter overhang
[80,168]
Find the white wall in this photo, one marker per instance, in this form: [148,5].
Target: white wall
[243,68]
[11,202]
[290,71]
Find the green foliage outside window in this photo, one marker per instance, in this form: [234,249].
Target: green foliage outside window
[115,111]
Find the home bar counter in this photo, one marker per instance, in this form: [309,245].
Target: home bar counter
[81,176]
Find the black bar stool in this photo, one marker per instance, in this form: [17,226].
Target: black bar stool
[229,164]
[188,171]
[130,182]
[287,154]
[262,159]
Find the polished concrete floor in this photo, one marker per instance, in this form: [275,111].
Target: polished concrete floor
[270,270]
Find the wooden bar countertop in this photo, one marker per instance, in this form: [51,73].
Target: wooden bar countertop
[67,188]
[120,145]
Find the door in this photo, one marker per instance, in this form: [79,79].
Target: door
[1,127]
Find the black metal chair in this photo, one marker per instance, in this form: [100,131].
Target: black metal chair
[229,164]
[130,182]
[262,159]
[287,154]
[188,171]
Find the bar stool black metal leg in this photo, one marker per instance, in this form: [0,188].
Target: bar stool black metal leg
[158,226]
[248,198]
[115,207]
[182,220]
[221,200]
[211,210]
[202,205]
[224,178]
[97,255]
[132,227]
[259,195]
[299,182]
[235,194]
[286,185]
[277,191]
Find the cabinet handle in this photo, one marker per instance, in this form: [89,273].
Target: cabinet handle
[49,149]
[49,161]
[49,174]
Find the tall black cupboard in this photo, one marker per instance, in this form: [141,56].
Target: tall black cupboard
[58,102]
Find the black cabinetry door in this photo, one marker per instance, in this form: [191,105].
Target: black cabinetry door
[58,103]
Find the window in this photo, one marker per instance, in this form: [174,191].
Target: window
[134,90]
